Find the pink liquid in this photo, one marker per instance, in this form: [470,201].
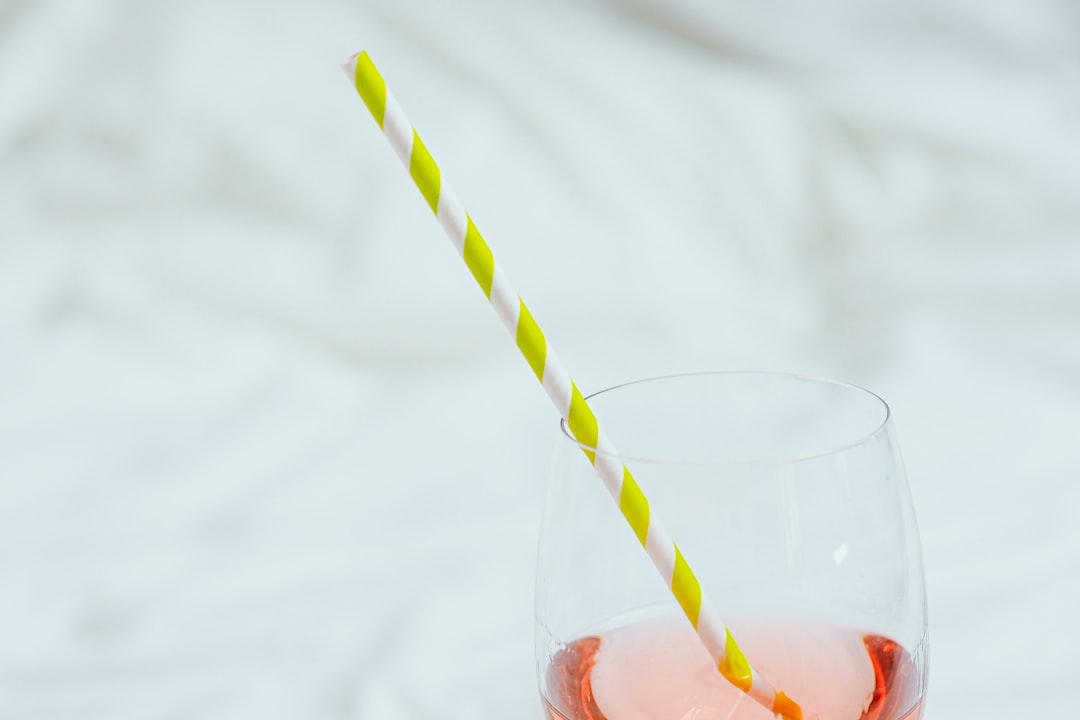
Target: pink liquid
[656,669]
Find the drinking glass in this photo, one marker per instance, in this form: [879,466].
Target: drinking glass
[787,496]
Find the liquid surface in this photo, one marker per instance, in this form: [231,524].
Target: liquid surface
[656,669]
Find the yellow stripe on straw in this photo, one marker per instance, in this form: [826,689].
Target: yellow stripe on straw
[425,173]
[634,507]
[479,259]
[583,423]
[734,666]
[531,342]
[685,588]
[370,85]
[564,394]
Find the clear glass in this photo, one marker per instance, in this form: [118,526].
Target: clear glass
[787,496]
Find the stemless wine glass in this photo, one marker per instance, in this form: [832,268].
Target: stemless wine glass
[786,495]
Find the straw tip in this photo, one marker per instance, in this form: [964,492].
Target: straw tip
[349,66]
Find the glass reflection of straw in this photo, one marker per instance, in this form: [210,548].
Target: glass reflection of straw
[562,391]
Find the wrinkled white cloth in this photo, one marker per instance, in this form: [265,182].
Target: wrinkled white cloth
[265,453]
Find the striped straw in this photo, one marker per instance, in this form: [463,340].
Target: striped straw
[561,389]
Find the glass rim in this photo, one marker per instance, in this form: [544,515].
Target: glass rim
[778,459]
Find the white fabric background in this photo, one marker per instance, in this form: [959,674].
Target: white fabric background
[265,453]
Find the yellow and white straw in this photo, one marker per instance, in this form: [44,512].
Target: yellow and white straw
[564,394]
